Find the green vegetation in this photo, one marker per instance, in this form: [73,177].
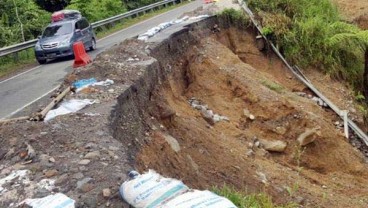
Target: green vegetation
[16,61]
[249,201]
[13,62]
[272,86]
[22,20]
[311,33]
[233,16]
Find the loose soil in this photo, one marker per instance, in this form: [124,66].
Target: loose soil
[354,11]
[323,172]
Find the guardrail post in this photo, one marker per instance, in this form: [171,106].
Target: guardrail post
[16,57]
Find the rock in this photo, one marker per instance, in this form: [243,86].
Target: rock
[246,113]
[307,137]
[249,153]
[31,153]
[194,164]
[40,193]
[252,117]
[45,161]
[51,173]
[90,202]
[78,176]
[84,185]
[9,153]
[281,130]
[299,200]
[274,146]
[100,133]
[62,180]
[208,116]
[113,148]
[111,90]
[262,177]
[174,144]
[51,159]
[90,145]
[13,141]
[84,162]
[106,192]
[92,155]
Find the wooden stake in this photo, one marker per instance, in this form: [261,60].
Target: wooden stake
[41,115]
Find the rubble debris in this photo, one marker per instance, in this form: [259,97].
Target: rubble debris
[174,144]
[207,114]
[273,145]
[307,137]
[31,153]
[106,192]
[19,175]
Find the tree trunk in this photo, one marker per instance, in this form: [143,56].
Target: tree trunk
[365,76]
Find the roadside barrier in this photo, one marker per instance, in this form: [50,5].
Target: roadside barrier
[81,57]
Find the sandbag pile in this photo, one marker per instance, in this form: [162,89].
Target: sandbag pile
[151,190]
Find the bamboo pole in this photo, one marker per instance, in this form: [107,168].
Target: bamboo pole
[41,115]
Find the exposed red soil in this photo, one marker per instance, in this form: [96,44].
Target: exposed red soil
[327,173]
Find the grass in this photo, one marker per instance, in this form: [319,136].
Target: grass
[9,64]
[242,200]
[272,86]
[310,33]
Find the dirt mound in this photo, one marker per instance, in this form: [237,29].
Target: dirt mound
[205,154]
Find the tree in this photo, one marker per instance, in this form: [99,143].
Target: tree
[52,5]
[131,4]
[30,15]
[95,10]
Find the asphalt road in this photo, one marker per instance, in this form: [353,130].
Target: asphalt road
[24,89]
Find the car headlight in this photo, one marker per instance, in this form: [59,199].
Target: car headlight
[38,46]
[65,42]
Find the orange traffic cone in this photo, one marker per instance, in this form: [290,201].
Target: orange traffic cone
[81,58]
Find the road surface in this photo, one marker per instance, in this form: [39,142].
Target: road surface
[22,90]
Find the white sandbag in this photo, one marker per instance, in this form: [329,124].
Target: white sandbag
[150,190]
[67,107]
[199,199]
[58,200]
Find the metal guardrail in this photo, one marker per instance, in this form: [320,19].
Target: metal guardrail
[29,44]
[296,71]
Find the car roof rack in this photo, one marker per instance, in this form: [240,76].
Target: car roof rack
[65,15]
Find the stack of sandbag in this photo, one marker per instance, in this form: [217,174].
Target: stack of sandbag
[151,190]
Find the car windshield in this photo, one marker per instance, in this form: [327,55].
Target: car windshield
[60,29]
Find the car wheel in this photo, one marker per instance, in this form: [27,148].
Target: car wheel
[93,47]
[41,61]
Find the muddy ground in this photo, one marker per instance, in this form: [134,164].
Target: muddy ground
[150,118]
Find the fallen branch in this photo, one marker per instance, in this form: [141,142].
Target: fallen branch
[41,115]
[5,121]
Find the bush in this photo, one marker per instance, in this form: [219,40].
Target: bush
[310,33]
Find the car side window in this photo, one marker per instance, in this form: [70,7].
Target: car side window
[85,23]
[78,25]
